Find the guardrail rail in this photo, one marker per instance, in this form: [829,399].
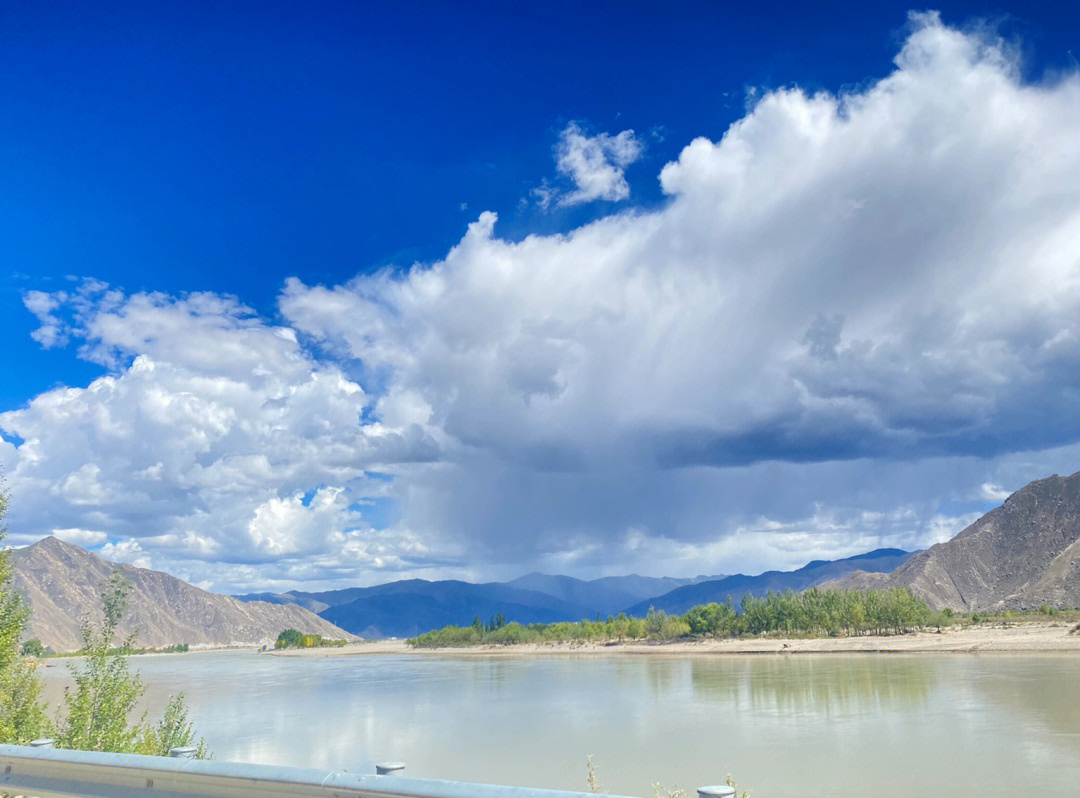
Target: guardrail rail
[45,772]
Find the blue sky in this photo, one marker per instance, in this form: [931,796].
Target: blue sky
[226,149]
[256,153]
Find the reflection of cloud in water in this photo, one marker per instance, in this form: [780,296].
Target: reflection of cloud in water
[784,725]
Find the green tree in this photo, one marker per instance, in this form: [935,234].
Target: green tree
[289,638]
[33,648]
[22,716]
[105,692]
[172,731]
[100,705]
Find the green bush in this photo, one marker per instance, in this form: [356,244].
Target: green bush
[291,638]
[99,706]
[33,648]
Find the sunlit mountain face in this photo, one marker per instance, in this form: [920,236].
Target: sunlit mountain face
[336,297]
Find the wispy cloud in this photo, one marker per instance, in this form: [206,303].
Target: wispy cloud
[595,165]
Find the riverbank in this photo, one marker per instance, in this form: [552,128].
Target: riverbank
[1041,638]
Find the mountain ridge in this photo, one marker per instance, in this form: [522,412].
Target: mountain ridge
[408,607]
[60,581]
[1020,555]
[815,572]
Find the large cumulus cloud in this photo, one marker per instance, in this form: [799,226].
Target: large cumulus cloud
[852,312]
[216,437]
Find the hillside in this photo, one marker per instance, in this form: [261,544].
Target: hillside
[606,595]
[412,606]
[566,595]
[1018,556]
[814,573]
[61,580]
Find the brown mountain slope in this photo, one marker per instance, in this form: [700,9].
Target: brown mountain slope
[1019,556]
[60,581]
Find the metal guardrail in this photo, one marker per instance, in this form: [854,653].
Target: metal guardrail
[45,772]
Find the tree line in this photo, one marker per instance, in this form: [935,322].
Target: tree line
[813,612]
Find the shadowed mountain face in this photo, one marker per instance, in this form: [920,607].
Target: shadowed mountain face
[412,606]
[1019,556]
[607,595]
[815,573]
[61,582]
[541,597]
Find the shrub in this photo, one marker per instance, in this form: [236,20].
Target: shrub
[105,693]
[291,638]
[33,648]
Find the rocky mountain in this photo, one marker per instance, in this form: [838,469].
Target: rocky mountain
[1019,556]
[61,581]
[814,573]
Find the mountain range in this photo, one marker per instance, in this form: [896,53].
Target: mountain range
[61,582]
[817,572]
[409,607]
[1021,555]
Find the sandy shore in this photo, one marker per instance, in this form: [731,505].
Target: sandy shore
[1020,638]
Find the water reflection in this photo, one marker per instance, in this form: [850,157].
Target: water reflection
[792,684]
[785,725]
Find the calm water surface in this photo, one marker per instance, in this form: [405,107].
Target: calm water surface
[783,726]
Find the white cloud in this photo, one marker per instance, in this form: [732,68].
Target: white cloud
[128,551]
[994,493]
[42,305]
[851,313]
[885,276]
[203,441]
[595,165]
[81,537]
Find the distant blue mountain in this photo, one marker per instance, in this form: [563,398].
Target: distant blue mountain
[601,595]
[606,595]
[413,606]
[683,598]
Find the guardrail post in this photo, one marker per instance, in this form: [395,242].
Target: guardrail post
[716,791]
[182,753]
[45,742]
[389,768]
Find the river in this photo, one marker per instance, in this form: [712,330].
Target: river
[783,726]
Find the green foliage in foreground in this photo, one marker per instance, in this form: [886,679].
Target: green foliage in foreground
[100,704]
[817,613]
[22,717]
[291,638]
